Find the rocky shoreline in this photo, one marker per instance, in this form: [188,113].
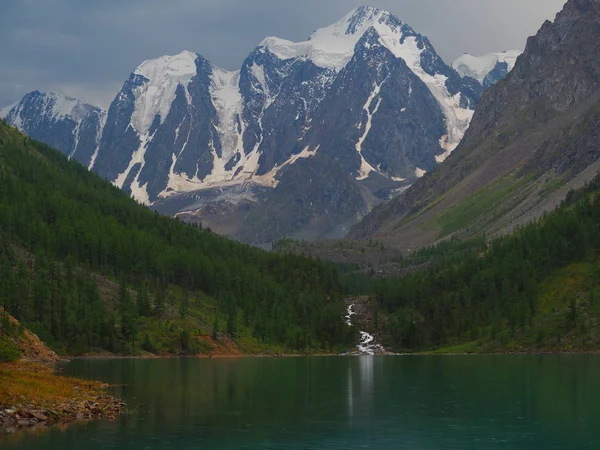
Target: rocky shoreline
[105,407]
[35,395]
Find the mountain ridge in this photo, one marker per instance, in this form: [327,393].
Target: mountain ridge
[60,121]
[523,146]
[367,95]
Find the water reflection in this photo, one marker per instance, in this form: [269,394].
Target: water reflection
[350,391]
[361,381]
[381,402]
[367,367]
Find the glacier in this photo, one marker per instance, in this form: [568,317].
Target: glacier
[478,67]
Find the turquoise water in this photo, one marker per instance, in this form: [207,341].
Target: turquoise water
[380,402]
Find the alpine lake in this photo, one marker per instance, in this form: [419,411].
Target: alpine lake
[366,402]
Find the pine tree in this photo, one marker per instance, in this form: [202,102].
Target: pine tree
[129,316]
[231,322]
[143,302]
[215,332]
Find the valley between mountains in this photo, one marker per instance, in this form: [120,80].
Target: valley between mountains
[463,196]
[353,197]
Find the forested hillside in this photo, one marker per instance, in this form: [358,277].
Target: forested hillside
[536,290]
[66,234]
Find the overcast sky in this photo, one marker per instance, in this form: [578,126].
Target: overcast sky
[87,49]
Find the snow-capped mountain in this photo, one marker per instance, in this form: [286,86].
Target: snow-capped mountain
[487,69]
[313,133]
[60,121]
[537,129]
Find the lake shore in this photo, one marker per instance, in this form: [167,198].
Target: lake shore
[303,355]
[219,356]
[34,394]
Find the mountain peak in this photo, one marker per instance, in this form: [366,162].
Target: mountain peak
[574,9]
[164,75]
[358,21]
[366,11]
[333,46]
[363,16]
[182,64]
[50,104]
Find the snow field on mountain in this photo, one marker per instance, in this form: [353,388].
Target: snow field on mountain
[478,67]
[156,96]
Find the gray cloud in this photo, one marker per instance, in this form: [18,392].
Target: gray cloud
[87,48]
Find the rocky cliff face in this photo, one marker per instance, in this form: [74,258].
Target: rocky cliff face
[332,125]
[536,126]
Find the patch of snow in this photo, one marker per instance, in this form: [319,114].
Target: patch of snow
[177,132]
[75,140]
[178,182]
[478,67]
[269,179]
[366,168]
[248,163]
[138,192]
[103,116]
[94,157]
[420,172]
[156,96]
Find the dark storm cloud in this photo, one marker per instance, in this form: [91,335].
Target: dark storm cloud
[87,48]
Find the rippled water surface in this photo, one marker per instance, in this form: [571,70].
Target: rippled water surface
[372,402]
